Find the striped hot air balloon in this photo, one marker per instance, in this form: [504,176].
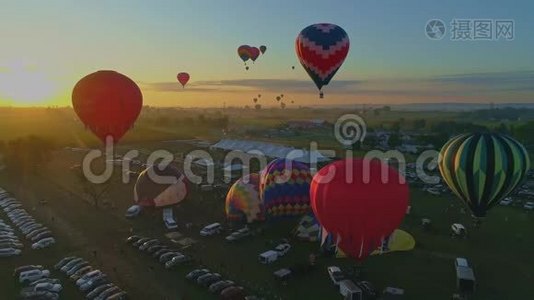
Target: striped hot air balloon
[483,168]
[243,200]
[285,188]
[322,49]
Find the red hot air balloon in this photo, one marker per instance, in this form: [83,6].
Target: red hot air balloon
[360,202]
[183,78]
[108,103]
[254,53]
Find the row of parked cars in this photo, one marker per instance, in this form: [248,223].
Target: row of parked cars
[9,242]
[162,252]
[217,285]
[37,283]
[38,234]
[94,283]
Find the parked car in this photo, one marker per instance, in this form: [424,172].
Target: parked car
[177,260]
[208,279]
[42,235]
[461,262]
[282,249]
[193,275]
[217,287]
[211,229]
[45,280]
[110,291]
[118,296]
[133,211]
[140,241]
[25,268]
[98,290]
[154,248]
[7,252]
[368,289]
[239,235]
[506,201]
[76,267]
[335,274]
[63,262]
[46,286]
[91,275]
[29,294]
[32,275]
[132,239]
[11,244]
[162,251]
[164,258]
[529,205]
[78,274]
[92,283]
[44,243]
[35,232]
[148,244]
[233,292]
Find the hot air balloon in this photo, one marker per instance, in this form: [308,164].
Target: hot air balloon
[259,95]
[284,188]
[282,105]
[293,67]
[281,95]
[483,168]
[354,203]
[254,53]
[278,98]
[321,49]
[292,101]
[183,78]
[244,53]
[263,49]
[108,103]
[255,100]
[243,200]
[150,191]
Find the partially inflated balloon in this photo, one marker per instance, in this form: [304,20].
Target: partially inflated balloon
[150,191]
[254,53]
[322,49]
[360,202]
[481,169]
[183,78]
[263,49]
[243,200]
[108,103]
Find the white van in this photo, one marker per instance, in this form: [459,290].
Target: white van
[268,257]
[211,229]
[29,276]
[350,290]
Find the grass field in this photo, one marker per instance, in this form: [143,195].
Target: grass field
[500,250]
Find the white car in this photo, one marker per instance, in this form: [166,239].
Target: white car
[282,249]
[29,276]
[7,252]
[211,229]
[506,201]
[336,275]
[51,287]
[461,262]
[529,205]
[133,211]
[88,276]
[44,243]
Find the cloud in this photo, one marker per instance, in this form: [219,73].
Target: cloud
[490,84]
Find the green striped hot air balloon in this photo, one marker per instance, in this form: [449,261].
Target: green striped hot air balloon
[483,168]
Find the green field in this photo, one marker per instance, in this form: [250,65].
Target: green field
[500,250]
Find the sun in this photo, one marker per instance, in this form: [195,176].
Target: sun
[26,86]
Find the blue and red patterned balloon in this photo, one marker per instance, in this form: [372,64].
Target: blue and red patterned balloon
[322,49]
[285,188]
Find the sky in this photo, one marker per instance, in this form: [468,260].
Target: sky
[47,46]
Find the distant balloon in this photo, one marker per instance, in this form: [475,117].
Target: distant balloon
[483,168]
[244,53]
[322,49]
[292,101]
[259,95]
[282,105]
[108,103]
[183,78]
[282,95]
[293,67]
[263,49]
[255,100]
[254,53]
[278,98]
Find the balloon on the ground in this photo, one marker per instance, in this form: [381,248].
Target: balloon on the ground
[322,49]
[359,202]
[108,103]
[183,78]
[483,168]
[284,188]
[157,187]
[243,200]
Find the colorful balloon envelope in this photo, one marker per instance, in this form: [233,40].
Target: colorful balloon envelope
[322,49]
[354,203]
[254,53]
[244,52]
[243,201]
[263,49]
[284,188]
[183,78]
[483,168]
[151,190]
[108,103]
